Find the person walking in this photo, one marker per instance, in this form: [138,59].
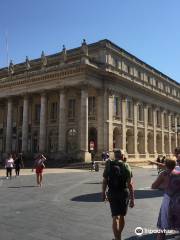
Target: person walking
[9,164]
[169,215]
[117,177]
[18,164]
[39,166]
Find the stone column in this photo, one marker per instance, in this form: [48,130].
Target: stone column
[169,133]
[162,131]
[100,123]
[9,126]
[135,129]
[154,130]
[124,124]
[84,126]
[146,130]
[110,124]
[62,121]
[43,116]
[25,125]
[105,98]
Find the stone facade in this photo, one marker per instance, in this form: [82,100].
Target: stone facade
[95,96]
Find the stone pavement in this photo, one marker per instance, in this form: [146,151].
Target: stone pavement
[69,206]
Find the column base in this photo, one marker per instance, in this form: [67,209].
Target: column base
[147,155]
[136,156]
[86,156]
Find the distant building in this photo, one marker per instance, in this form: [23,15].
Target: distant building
[97,96]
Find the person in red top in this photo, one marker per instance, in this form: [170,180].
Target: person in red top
[39,166]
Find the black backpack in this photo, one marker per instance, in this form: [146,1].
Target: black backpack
[117,176]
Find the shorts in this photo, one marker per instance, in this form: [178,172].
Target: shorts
[119,203]
[39,170]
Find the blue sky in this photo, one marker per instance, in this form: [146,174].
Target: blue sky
[149,29]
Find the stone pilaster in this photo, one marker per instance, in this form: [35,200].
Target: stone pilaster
[110,123]
[154,130]
[25,125]
[9,126]
[162,131]
[43,117]
[62,121]
[84,126]
[146,130]
[169,133]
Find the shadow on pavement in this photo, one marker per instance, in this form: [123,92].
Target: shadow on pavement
[93,183]
[31,186]
[140,194]
[92,197]
[96,197]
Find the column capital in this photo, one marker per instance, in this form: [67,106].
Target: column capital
[25,96]
[162,109]
[62,89]
[43,93]
[154,107]
[85,85]
[169,113]
[100,92]
[135,100]
[123,97]
[9,98]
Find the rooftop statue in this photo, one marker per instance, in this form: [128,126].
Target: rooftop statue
[64,53]
[11,67]
[43,59]
[28,66]
[84,47]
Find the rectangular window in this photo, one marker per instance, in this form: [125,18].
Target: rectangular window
[128,69]
[158,118]
[165,120]
[91,106]
[71,108]
[37,113]
[53,111]
[149,115]
[140,113]
[116,106]
[172,121]
[129,110]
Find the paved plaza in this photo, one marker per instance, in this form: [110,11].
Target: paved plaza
[69,206]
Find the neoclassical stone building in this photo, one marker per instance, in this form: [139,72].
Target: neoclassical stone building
[96,96]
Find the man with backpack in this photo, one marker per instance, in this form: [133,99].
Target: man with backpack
[118,177]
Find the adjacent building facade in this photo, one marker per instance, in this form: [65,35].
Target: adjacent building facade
[96,97]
